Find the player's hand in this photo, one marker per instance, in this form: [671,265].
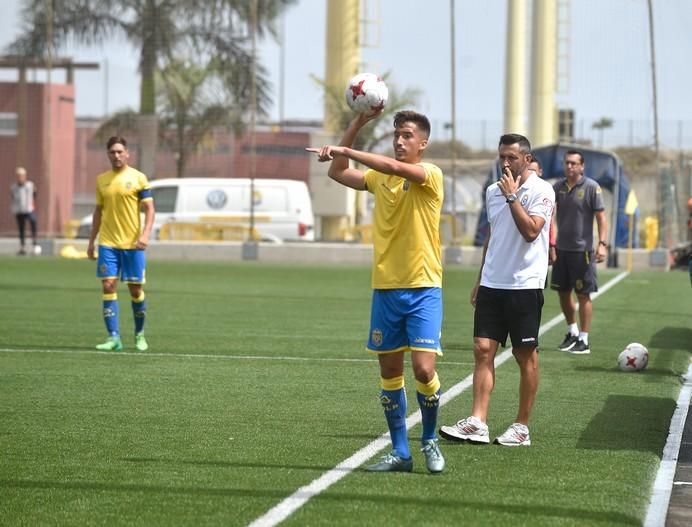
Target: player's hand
[552,255]
[91,254]
[507,183]
[364,118]
[325,153]
[474,294]
[600,253]
[142,243]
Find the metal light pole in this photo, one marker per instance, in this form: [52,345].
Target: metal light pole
[453,252]
[282,69]
[660,209]
[250,247]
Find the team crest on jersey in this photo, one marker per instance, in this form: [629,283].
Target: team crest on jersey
[377,337]
[578,285]
[128,185]
[547,205]
[524,199]
[407,184]
[580,193]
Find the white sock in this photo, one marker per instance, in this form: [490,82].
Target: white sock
[573,329]
[584,337]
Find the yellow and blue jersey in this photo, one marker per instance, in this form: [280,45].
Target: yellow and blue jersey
[406,229]
[119,195]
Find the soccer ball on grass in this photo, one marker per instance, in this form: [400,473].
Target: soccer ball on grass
[366,93]
[634,357]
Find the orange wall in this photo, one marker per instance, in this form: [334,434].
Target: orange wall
[279,155]
[48,153]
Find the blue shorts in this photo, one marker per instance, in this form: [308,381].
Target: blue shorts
[406,320]
[129,265]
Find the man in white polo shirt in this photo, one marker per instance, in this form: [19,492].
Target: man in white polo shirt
[508,295]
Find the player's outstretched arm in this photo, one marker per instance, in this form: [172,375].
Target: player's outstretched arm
[340,169]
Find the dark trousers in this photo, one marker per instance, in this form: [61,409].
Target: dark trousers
[22,218]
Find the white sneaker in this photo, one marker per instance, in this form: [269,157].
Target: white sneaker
[516,435]
[470,429]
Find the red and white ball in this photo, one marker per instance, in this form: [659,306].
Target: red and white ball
[366,93]
[634,357]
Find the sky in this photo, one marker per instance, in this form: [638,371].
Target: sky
[607,54]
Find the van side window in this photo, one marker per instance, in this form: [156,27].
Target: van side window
[165,198]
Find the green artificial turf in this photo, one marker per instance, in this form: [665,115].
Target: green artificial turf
[257,383]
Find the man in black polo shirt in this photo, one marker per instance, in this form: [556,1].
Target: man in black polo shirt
[578,201]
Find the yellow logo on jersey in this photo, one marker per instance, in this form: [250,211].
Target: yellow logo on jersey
[579,285]
[580,193]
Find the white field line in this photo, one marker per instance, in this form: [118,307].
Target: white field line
[201,356]
[663,484]
[289,505]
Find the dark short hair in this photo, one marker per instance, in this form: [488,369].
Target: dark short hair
[534,159]
[116,139]
[511,139]
[409,116]
[574,153]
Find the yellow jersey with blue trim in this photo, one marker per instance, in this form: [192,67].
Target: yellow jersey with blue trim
[406,229]
[119,195]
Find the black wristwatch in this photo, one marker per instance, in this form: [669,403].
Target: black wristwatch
[511,198]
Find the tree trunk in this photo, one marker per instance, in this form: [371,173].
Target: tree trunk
[148,123]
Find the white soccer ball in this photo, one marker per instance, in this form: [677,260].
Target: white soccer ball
[366,93]
[634,357]
[37,250]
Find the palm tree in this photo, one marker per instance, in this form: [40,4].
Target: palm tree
[601,125]
[191,103]
[160,30]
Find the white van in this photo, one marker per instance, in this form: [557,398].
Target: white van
[282,207]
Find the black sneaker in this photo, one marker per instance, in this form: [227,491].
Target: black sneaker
[580,348]
[568,343]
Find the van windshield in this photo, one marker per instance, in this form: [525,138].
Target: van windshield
[165,198]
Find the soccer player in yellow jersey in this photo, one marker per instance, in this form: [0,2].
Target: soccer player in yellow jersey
[406,312]
[120,194]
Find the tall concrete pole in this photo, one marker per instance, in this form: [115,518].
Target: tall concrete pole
[343,51]
[515,68]
[543,114]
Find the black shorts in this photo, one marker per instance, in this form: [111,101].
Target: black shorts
[516,312]
[574,270]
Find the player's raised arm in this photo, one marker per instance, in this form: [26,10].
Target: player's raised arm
[340,169]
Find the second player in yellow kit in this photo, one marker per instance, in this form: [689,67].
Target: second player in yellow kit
[120,195]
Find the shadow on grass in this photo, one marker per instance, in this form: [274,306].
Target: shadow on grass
[672,338]
[456,346]
[649,372]
[629,423]
[42,286]
[229,464]
[532,510]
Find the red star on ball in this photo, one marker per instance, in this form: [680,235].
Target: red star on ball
[357,89]
[632,362]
